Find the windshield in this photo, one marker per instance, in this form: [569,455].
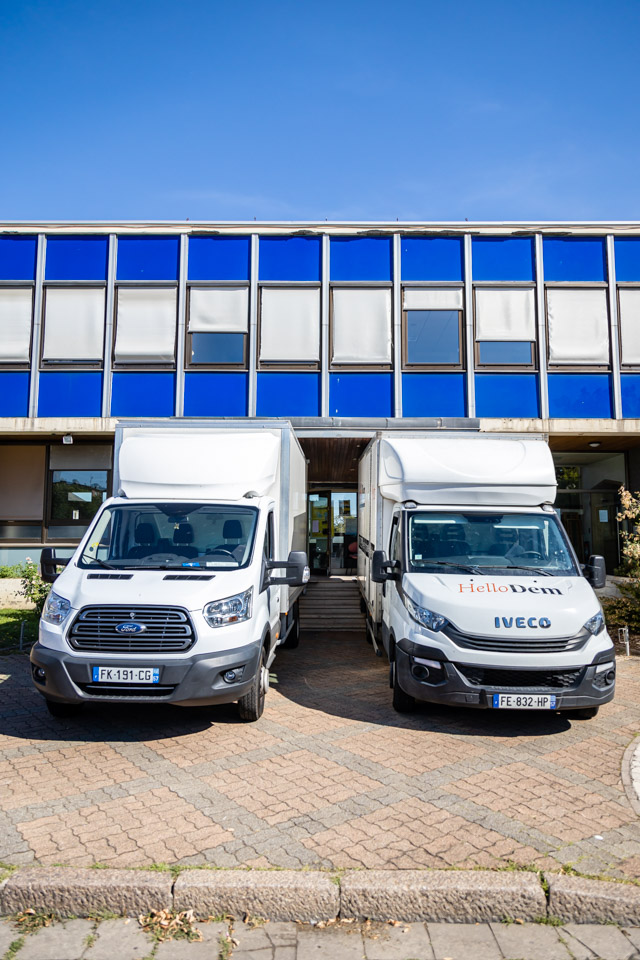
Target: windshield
[532,544]
[159,536]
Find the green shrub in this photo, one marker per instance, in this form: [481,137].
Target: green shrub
[33,586]
[630,512]
[7,573]
[625,610]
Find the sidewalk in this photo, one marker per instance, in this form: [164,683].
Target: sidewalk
[124,940]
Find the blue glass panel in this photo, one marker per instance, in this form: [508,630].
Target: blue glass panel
[219,258]
[574,258]
[432,258]
[630,386]
[290,258]
[288,395]
[70,394]
[507,395]
[142,394]
[361,258]
[579,395]
[215,395]
[217,347]
[433,395]
[508,351]
[361,395]
[77,258]
[148,258]
[627,259]
[503,258]
[14,394]
[433,336]
[18,258]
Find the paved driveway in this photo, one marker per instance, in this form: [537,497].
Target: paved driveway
[330,777]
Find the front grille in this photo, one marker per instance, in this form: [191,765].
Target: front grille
[168,630]
[514,644]
[126,691]
[538,679]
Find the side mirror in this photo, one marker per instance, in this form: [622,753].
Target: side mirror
[383,569]
[297,567]
[596,572]
[49,564]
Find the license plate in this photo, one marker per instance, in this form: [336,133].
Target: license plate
[125,674]
[524,701]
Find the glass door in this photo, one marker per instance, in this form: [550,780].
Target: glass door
[344,533]
[319,533]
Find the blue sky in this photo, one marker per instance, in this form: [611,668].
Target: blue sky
[336,109]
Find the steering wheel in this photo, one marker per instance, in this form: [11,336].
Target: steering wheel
[161,556]
[220,550]
[531,555]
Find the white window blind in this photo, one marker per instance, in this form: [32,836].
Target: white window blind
[361,326]
[505,314]
[578,326]
[218,310]
[290,324]
[430,298]
[630,325]
[146,325]
[15,324]
[73,323]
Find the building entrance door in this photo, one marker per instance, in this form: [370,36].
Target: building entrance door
[333,532]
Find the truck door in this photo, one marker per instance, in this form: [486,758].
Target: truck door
[388,588]
[273,592]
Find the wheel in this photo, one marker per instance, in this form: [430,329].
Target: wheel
[251,706]
[63,710]
[402,702]
[586,713]
[293,637]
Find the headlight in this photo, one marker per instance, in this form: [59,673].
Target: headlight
[595,624]
[56,609]
[232,610]
[426,618]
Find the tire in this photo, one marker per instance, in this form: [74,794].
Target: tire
[63,710]
[251,706]
[293,638]
[586,713]
[402,702]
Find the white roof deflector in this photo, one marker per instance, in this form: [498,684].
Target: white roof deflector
[476,470]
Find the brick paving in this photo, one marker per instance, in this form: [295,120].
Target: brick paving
[330,777]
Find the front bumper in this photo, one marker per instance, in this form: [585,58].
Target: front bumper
[461,684]
[188,681]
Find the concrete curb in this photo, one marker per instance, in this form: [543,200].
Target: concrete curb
[452,895]
[456,896]
[277,894]
[84,893]
[630,774]
[579,900]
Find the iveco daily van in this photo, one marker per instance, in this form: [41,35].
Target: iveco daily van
[470,581]
[187,579]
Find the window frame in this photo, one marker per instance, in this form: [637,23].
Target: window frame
[534,364]
[48,519]
[142,366]
[577,367]
[284,365]
[72,364]
[8,366]
[624,285]
[192,365]
[338,366]
[433,367]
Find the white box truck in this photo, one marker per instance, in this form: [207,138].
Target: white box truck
[470,582]
[187,580]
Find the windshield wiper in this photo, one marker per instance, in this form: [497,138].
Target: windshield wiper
[102,563]
[516,566]
[451,563]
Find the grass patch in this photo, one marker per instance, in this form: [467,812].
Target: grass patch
[14,947]
[10,621]
[167,925]
[30,921]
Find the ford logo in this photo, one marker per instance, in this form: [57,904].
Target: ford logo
[131,628]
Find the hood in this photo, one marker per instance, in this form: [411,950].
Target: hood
[506,605]
[149,587]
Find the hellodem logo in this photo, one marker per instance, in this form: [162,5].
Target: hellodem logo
[505,588]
